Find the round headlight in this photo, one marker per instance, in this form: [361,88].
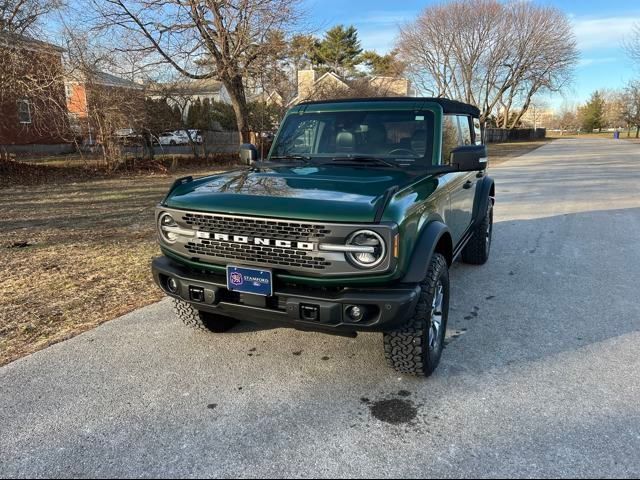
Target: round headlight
[372,251]
[166,224]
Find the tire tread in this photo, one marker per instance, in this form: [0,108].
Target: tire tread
[405,349]
[194,318]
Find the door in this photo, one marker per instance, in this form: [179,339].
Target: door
[456,131]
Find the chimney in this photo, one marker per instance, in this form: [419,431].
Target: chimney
[306,79]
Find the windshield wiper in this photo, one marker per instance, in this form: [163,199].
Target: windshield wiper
[363,159]
[303,158]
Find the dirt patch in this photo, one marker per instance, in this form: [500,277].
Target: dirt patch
[74,255]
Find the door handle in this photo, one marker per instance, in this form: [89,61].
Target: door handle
[468,184]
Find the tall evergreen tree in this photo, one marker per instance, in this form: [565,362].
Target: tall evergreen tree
[301,51]
[385,65]
[593,113]
[177,115]
[339,50]
[195,111]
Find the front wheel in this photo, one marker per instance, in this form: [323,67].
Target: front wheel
[417,348]
[194,318]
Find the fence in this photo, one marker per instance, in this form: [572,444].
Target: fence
[38,149]
[497,135]
[221,142]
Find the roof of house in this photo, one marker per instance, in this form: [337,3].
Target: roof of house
[104,79]
[448,106]
[14,39]
[333,75]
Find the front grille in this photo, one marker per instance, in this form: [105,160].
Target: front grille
[254,227]
[259,254]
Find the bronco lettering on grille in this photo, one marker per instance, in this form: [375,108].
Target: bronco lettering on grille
[224,237]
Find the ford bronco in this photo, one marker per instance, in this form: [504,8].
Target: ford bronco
[350,224]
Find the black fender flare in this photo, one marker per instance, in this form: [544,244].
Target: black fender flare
[424,249]
[483,196]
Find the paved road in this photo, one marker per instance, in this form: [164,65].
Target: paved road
[541,376]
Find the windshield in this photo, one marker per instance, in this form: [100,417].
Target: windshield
[404,137]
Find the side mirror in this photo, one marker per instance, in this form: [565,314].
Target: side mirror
[248,153]
[469,158]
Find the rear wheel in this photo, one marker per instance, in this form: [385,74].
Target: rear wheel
[476,252]
[192,317]
[417,348]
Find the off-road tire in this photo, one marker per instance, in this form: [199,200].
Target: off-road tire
[477,251]
[407,349]
[194,318]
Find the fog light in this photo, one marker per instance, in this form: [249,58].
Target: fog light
[355,313]
[172,285]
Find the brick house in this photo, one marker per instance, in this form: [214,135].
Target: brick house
[99,99]
[32,96]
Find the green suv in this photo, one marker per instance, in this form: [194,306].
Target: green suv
[350,224]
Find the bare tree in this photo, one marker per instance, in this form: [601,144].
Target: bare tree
[630,113]
[23,17]
[106,110]
[632,44]
[201,39]
[489,54]
[544,54]
[567,119]
[614,107]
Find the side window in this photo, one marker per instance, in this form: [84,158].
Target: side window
[464,127]
[24,111]
[450,137]
[477,131]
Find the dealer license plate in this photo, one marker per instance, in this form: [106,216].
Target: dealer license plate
[250,280]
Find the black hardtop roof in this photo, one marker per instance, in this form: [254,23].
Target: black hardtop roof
[448,106]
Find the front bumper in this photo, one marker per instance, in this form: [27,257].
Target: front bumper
[299,307]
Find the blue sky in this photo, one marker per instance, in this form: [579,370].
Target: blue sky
[600,28]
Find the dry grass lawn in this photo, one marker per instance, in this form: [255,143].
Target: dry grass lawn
[501,152]
[74,255]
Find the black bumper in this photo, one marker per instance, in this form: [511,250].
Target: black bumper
[299,307]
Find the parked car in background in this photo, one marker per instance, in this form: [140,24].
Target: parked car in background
[127,136]
[194,135]
[173,138]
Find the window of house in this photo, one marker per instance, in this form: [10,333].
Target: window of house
[24,111]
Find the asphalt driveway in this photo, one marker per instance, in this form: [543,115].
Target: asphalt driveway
[541,375]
